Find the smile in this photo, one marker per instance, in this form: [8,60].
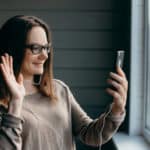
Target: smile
[39,64]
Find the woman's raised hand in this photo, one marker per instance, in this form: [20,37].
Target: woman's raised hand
[15,86]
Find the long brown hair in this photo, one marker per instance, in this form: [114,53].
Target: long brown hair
[13,36]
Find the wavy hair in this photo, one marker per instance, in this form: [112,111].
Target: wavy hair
[13,36]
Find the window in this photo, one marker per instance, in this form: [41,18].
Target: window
[147,72]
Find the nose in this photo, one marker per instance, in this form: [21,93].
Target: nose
[43,55]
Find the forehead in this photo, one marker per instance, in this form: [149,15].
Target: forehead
[37,35]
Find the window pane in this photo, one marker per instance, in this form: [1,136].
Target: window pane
[147,71]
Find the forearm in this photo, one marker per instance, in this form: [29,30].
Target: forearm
[15,107]
[11,126]
[102,129]
[111,124]
[10,132]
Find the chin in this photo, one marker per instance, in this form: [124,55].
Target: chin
[38,71]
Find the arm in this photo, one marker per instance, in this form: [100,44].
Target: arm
[11,124]
[93,132]
[99,131]
[10,131]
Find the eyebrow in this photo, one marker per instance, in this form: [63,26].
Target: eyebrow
[34,43]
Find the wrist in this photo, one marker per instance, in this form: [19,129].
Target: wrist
[117,111]
[15,107]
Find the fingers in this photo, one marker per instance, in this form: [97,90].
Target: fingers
[120,79]
[4,72]
[7,63]
[16,88]
[120,72]
[113,93]
[7,58]
[117,86]
[4,62]
[6,67]
[119,82]
[11,64]
[119,98]
[116,77]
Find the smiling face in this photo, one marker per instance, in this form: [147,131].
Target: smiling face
[34,63]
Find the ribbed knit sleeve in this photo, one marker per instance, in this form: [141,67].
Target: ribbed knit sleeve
[93,132]
[10,131]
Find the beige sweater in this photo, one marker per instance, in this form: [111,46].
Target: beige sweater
[52,126]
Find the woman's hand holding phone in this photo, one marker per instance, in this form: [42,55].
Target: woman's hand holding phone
[119,83]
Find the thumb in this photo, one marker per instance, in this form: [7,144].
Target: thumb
[120,72]
[20,78]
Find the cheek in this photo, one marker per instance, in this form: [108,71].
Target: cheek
[26,66]
[27,63]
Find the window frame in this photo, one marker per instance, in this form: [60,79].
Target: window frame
[146,132]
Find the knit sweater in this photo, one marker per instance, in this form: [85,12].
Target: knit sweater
[48,125]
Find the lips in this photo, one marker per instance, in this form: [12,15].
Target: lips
[38,64]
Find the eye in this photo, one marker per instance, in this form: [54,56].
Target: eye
[35,47]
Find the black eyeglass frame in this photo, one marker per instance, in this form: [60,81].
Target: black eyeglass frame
[37,48]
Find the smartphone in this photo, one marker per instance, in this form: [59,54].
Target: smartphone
[120,58]
[118,62]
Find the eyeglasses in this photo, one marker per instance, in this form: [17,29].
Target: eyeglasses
[37,48]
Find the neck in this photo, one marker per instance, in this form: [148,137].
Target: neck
[29,87]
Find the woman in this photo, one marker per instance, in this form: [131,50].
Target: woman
[46,115]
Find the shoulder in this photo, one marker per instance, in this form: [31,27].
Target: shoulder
[59,83]
[62,91]
[60,86]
